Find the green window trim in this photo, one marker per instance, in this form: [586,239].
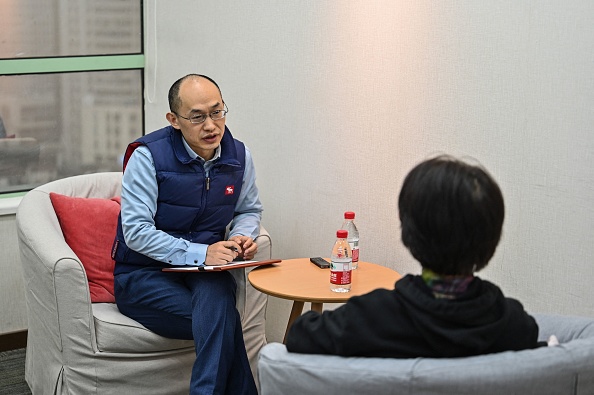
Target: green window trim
[70,64]
[12,195]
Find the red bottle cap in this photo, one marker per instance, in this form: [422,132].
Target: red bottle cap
[342,234]
[349,215]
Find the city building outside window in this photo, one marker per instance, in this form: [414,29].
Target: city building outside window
[71,88]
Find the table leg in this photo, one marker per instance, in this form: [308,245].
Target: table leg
[296,311]
[317,307]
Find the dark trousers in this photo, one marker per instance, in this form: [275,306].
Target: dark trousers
[199,306]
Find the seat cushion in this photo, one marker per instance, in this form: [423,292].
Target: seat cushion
[89,228]
[118,333]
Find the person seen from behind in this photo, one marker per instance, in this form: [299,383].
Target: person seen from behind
[451,215]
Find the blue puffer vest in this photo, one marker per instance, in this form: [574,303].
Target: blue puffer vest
[189,205]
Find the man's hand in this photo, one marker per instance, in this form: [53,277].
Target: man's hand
[222,252]
[248,247]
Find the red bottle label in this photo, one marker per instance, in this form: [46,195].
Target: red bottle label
[341,277]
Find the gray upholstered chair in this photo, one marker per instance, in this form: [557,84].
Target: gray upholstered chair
[78,347]
[561,370]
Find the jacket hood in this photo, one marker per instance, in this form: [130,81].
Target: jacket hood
[467,325]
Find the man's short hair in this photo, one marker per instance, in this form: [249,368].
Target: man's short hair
[451,214]
[174,100]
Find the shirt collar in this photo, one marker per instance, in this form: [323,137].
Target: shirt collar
[446,286]
[194,155]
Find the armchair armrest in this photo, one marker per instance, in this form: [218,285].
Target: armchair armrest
[49,264]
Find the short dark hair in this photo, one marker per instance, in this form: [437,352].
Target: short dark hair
[451,214]
[173,96]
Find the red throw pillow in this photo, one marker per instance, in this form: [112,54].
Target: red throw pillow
[89,228]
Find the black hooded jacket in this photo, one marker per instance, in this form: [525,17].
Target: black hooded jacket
[409,322]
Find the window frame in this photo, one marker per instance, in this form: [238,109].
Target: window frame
[9,201]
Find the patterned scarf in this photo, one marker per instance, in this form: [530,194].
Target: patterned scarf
[448,286]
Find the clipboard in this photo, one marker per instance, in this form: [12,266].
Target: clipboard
[219,268]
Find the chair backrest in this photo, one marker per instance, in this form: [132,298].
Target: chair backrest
[94,185]
[40,236]
[564,369]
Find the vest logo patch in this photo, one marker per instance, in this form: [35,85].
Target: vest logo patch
[229,189]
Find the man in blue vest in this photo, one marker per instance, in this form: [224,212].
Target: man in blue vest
[182,185]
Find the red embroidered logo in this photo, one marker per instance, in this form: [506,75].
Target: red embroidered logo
[229,189]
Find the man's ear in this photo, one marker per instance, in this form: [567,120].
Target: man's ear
[173,120]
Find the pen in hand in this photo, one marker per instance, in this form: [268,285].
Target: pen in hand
[222,252]
[235,253]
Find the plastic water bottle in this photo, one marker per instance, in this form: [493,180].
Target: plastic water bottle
[341,264]
[353,239]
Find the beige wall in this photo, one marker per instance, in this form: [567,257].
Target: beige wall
[338,100]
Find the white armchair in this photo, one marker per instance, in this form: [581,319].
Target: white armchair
[566,369]
[78,347]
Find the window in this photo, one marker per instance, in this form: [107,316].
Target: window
[71,84]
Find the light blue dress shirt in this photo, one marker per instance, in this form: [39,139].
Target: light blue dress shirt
[139,205]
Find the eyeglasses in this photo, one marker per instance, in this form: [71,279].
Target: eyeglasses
[200,118]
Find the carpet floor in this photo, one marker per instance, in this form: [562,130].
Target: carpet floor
[12,373]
